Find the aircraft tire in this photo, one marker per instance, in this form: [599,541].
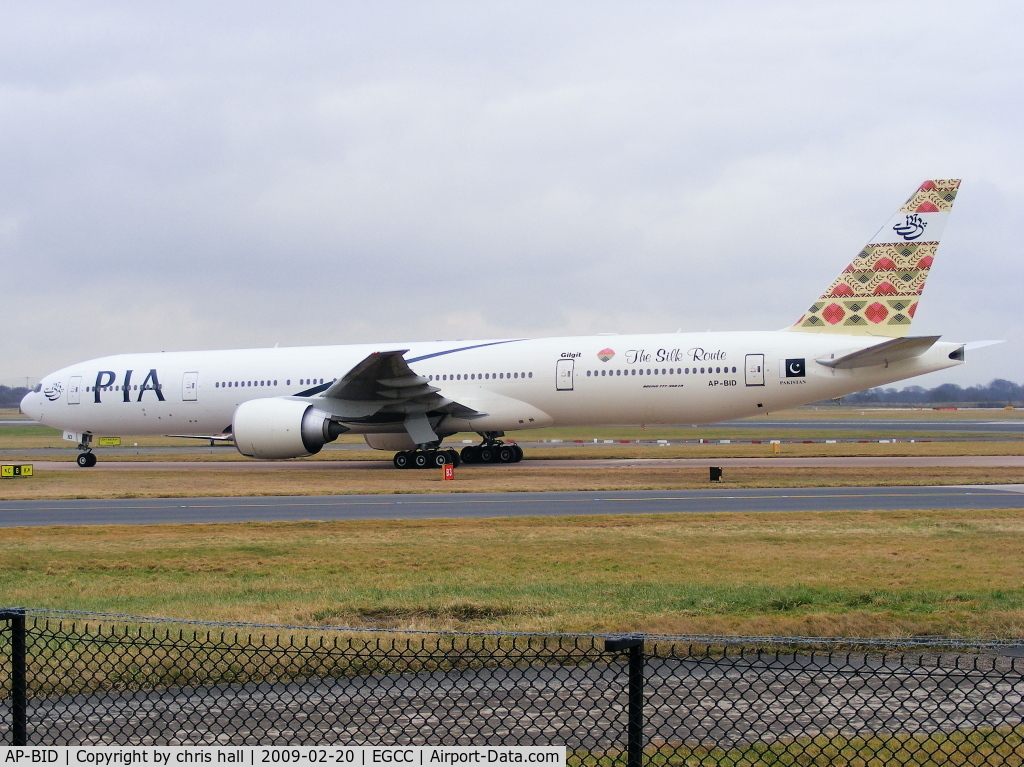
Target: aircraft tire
[506,454]
[437,459]
[470,454]
[419,460]
[453,457]
[485,454]
[401,460]
[519,453]
[86,460]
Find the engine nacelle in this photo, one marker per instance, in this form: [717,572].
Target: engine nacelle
[276,427]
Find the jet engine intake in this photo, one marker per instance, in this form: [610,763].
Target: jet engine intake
[278,427]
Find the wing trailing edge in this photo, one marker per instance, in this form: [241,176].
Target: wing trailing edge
[383,388]
[884,353]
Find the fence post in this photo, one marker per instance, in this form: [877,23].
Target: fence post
[19,675]
[635,710]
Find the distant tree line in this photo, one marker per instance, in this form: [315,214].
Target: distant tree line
[998,393]
[11,397]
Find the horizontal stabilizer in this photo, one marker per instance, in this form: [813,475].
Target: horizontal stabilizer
[971,346]
[883,353]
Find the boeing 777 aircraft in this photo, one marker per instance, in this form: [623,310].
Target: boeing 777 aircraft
[406,397]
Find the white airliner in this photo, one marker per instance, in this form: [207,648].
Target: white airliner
[406,397]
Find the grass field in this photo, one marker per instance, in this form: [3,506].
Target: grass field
[862,574]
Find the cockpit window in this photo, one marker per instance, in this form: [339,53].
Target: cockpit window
[39,388]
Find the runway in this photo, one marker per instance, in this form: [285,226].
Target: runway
[490,505]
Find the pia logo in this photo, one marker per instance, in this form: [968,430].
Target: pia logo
[605,354]
[53,392]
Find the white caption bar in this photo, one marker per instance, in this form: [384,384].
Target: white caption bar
[174,756]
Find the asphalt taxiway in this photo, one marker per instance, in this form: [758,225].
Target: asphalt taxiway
[488,505]
[318,464]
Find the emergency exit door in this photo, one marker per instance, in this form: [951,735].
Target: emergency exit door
[190,387]
[563,375]
[755,370]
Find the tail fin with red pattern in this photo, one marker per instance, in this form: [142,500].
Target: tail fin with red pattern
[877,294]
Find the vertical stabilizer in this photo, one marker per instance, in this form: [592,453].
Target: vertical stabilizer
[877,294]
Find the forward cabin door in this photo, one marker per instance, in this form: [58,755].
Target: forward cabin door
[75,390]
[563,375]
[190,387]
[755,370]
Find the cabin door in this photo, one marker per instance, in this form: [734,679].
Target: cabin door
[190,387]
[563,375]
[755,370]
[75,390]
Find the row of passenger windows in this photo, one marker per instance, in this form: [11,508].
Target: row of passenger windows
[663,371]
[234,384]
[477,376]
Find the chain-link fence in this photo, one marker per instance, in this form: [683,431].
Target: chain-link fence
[74,678]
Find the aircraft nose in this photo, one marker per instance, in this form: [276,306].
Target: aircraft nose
[30,406]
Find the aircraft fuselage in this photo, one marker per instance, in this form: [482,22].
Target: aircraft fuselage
[677,378]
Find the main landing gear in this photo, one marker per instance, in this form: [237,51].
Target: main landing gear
[492,450]
[425,459]
[86,459]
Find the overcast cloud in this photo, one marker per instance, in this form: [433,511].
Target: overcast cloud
[209,175]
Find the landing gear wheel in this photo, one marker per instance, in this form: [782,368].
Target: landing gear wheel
[419,460]
[453,458]
[485,454]
[471,454]
[506,454]
[401,460]
[86,460]
[519,453]
[438,459]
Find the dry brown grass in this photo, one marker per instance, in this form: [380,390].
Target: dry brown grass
[346,480]
[607,452]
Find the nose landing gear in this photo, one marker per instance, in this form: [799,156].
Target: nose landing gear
[86,459]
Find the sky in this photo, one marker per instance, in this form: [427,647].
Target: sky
[202,175]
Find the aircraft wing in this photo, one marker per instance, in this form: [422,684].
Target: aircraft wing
[383,388]
[889,351]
